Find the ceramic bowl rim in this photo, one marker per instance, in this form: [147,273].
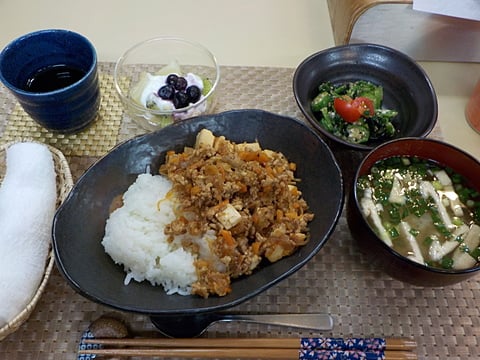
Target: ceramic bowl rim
[223,304]
[374,48]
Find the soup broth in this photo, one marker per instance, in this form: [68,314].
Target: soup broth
[424,211]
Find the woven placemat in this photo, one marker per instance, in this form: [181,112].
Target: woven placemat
[96,140]
[339,280]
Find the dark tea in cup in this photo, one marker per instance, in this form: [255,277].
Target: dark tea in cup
[53,75]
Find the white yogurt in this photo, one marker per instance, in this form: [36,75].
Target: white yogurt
[155,82]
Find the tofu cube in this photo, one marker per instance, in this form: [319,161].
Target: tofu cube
[228,217]
[205,138]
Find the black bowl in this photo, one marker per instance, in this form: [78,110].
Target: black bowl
[387,259]
[406,86]
[80,222]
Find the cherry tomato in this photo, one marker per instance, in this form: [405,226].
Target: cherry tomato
[351,110]
[365,106]
[344,108]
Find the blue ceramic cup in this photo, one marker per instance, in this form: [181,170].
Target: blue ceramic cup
[53,75]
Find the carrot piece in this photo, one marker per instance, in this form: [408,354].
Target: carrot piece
[269,171]
[243,188]
[195,190]
[227,236]
[248,155]
[211,170]
[220,205]
[256,247]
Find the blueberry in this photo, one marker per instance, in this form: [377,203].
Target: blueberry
[193,93]
[166,92]
[172,79]
[181,84]
[180,100]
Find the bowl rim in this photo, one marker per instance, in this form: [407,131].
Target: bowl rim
[375,48]
[125,98]
[381,243]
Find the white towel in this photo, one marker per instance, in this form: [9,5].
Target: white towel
[27,207]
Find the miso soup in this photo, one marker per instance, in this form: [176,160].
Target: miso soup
[424,211]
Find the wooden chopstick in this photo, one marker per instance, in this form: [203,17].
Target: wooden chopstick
[229,353]
[246,348]
[278,343]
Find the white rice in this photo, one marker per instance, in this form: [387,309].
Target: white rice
[134,237]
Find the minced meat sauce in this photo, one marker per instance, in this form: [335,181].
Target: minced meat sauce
[247,196]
